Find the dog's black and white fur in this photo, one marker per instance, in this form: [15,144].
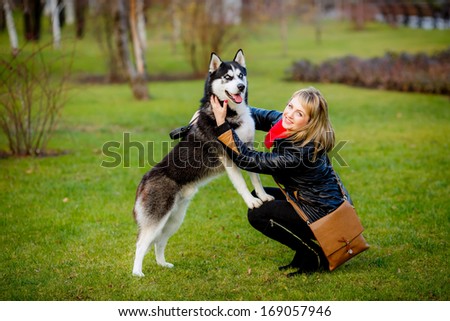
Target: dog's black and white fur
[165,191]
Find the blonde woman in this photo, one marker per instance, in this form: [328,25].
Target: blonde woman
[299,139]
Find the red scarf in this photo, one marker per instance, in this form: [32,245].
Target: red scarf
[277,131]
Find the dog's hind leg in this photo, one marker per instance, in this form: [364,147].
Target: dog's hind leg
[149,229]
[145,239]
[173,223]
[148,235]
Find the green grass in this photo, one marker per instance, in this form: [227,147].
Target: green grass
[67,231]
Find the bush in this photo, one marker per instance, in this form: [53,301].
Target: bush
[402,72]
[30,101]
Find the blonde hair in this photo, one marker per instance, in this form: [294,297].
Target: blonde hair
[318,129]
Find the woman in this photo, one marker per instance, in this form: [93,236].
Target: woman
[300,138]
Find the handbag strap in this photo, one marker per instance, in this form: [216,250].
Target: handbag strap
[294,204]
[297,207]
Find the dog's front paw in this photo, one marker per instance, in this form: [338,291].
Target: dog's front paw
[265,197]
[254,202]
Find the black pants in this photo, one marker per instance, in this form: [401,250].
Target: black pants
[279,221]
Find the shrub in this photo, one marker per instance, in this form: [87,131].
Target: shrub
[402,72]
[31,100]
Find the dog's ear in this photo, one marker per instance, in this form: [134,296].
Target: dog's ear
[239,58]
[214,63]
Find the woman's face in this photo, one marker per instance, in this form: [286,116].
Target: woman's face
[294,116]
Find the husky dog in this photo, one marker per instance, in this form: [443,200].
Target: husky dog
[165,191]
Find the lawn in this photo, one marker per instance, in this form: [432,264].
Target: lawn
[67,231]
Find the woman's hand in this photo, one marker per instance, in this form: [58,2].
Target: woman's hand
[219,112]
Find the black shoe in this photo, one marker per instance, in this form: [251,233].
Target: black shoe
[305,270]
[295,263]
[311,264]
[285,267]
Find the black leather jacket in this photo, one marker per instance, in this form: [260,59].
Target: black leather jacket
[314,182]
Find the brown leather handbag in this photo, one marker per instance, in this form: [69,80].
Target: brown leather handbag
[339,233]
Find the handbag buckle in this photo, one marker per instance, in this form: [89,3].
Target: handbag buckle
[347,245]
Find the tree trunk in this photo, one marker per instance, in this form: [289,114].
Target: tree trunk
[2,18]
[176,24]
[116,71]
[137,80]
[11,28]
[56,29]
[142,34]
[32,10]
[61,13]
[357,14]
[138,52]
[80,12]
[69,8]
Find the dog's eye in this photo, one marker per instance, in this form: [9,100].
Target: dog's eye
[241,76]
[228,77]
